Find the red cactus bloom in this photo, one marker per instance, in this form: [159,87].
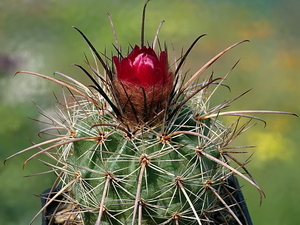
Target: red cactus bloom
[142,84]
[142,67]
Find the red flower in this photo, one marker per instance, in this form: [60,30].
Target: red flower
[142,67]
[142,84]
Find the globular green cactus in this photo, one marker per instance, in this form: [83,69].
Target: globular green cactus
[142,146]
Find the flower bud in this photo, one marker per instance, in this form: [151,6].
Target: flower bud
[142,84]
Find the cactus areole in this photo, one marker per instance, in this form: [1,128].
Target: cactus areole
[141,145]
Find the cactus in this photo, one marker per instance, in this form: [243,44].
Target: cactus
[141,144]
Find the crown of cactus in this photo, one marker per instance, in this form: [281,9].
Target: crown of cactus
[141,145]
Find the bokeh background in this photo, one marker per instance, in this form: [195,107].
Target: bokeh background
[36,36]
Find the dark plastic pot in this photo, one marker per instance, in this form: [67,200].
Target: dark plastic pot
[245,219]
[236,201]
[53,207]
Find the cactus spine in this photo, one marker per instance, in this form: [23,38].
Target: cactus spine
[143,151]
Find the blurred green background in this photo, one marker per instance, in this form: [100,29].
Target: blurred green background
[36,36]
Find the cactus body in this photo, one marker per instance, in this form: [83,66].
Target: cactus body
[147,172]
[142,146]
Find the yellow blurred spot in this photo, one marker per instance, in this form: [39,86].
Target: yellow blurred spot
[287,58]
[258,29]
[271,146]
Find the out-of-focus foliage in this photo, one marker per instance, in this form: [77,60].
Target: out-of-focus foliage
[36,36]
